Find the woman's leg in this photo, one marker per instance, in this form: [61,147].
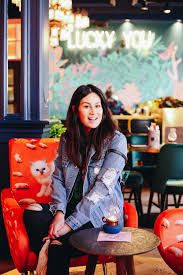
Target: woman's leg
[37,225]
[60,251]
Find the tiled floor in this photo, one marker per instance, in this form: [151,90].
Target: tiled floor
[6,266]
[144,265]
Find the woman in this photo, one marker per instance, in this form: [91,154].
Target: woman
[86,179]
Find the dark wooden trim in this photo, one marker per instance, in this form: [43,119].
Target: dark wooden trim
[34,61]
[35,42]
[3,58]
[25,60]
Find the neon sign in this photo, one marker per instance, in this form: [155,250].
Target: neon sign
[95,39]
[138,39]
[91,40]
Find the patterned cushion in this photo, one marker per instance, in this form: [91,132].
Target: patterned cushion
[31,167]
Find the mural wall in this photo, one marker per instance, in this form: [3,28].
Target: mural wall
[141,60]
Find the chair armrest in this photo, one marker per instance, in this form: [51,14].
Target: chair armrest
[130,215]
[15,229]
[8,199]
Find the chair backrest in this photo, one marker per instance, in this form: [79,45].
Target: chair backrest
[31,166]
[169,166]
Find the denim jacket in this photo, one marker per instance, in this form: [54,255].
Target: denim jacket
[101,186]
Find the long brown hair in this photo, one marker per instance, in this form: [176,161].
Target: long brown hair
[76,139]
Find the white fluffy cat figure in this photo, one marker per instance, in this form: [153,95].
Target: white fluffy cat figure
[42,171]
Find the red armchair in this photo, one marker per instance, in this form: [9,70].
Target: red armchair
[28,159]
[169,228]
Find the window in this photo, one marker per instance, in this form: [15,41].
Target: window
[13,87]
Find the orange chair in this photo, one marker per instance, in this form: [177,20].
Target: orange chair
[28,159]
[169,228]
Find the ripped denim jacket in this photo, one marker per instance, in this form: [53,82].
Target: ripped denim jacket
[101,186]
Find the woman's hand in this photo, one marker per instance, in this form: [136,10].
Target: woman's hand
[64,230]
[56,225]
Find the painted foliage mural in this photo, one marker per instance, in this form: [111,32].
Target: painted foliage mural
[141,61]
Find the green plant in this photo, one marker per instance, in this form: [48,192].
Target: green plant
[57,129]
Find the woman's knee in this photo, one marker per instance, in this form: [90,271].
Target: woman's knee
[56,250]
[37,217]
[27,216]
[30,216]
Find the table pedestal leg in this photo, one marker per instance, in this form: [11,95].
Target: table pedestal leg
[120,265]
[125,265]
[90,268]
[130,267]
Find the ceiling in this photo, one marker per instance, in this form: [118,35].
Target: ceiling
[103,10]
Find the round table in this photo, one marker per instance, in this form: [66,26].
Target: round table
[86,241]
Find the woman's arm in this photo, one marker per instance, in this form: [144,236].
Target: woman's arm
[104,185]
[58,205]
[58,183]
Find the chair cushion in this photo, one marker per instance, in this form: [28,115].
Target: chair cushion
[174,182]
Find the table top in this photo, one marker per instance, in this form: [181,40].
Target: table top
[144,149]
[142,241]
[130,117]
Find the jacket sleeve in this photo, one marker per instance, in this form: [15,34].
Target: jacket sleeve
[108,176]
[58,183]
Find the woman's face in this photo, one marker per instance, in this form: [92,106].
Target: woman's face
[90,111]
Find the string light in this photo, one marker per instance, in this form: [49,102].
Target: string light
[62,19]
[167,9]
[17,3]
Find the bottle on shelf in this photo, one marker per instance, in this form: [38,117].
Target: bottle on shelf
[154,136]
[172,135]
